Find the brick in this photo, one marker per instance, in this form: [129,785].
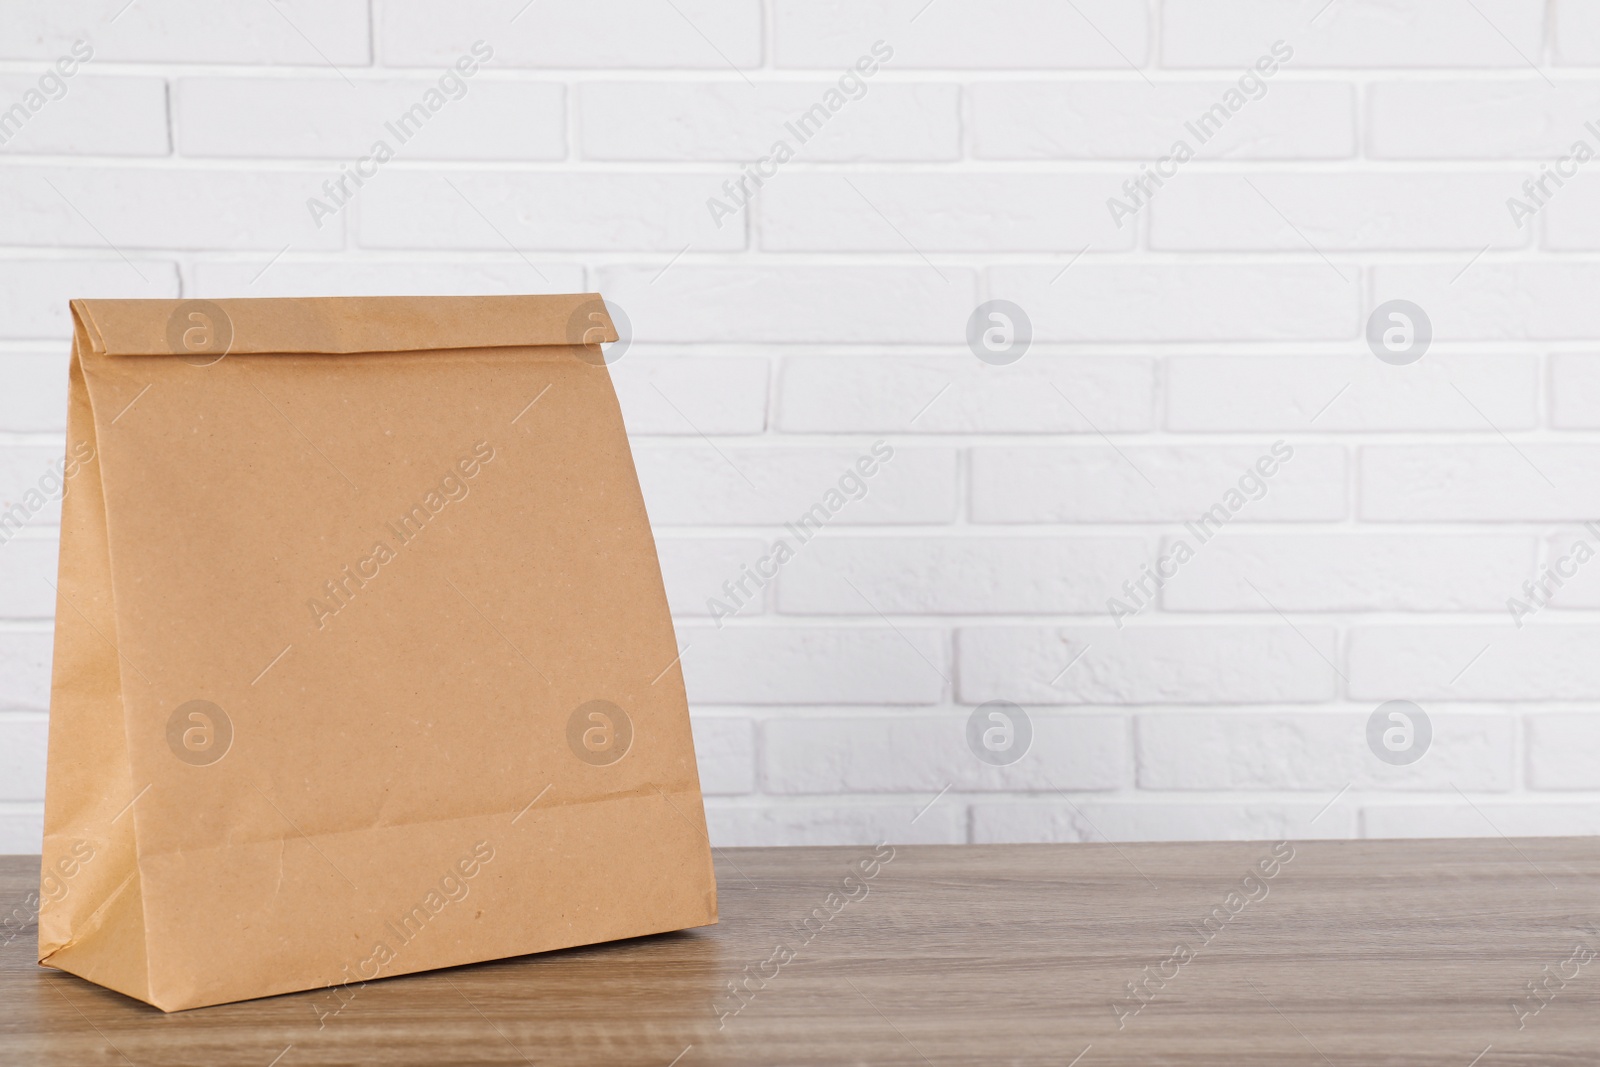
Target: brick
[27,578]
[310,33]
[1485,819]
[1482,482]
[960,394]
[1319,751]
[1489,301]
[1190,664]
[25,673]
[30,482]
[289,276]
[697,485]
[1577,33]
[34,292]
[1575,391]
[1565,578]
[1564,751]
[94,115]
[1353,33]
[36,398]
[1474,662]
[1350,572]
[1000,34]
[692,395]
[1335,212]
[1151,483]
[168,207]
[957,575]
[963,212]
[695,568]
[702,34]
[1521,118]
[927,753]
[1183,302]
[1094,120]
[542,211]
[836,822]
[1228,393]
[814,665]
[325,118]
[1568,213]
[22,755]
[749,304]
[737,122]
[725,750]
[1020,822]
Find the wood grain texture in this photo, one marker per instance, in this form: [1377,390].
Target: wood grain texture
[1354,954]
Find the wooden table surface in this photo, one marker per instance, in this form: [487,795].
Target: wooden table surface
[1351,954]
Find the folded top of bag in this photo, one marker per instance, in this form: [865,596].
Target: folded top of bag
[340,324]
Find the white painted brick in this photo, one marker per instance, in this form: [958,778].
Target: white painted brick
[1575,391]
[1577,36]
[738,122]
[1520,119]
[1564,751]
[1542,661]
[103,116]
[814,665]
[1568,213]
[323,117]
[1566,578]
[347,277]
[927,753]
[27,578]
[998,34]
[1487,482]
[34,293]
[699,485]
[22,749]
[1535,300]
[1228,393]
[838,822]
[1353,33]
[1335,212]
[168,207]
[311,33]
[1000,822]
[966,575]
[1183,301]
[939,213]
[1350,572]
[25,672]
[541,211]
[702,34]
[961,394]
[1131,120]
[691,395]
[695,568]
[21,831]
[35,397]
[30,486]
[1318,751]
[1486,819]
[1192,664]
[1149,483]
[725,749]
[847,303]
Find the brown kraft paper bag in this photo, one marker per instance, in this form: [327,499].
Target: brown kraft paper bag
[363,664]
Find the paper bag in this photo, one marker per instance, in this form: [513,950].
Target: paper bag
[363,664]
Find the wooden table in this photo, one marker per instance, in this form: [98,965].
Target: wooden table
[1350,954]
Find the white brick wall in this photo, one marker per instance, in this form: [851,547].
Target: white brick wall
[773,346]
